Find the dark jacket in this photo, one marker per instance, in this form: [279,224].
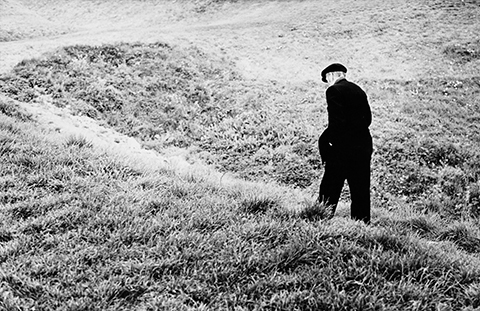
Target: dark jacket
[349,117]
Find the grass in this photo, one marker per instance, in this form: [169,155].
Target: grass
[84,230]
[167,96]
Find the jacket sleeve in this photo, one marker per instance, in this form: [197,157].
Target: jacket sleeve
[324,146]
[367,113]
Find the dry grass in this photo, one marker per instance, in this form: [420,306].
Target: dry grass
[285,40]
[85,230]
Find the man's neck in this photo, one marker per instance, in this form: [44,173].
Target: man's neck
[337,80]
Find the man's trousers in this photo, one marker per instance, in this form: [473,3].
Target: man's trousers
[352,165]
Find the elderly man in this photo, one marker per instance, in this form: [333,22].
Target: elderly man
[346,144]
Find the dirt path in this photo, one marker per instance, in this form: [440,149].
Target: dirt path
[36,32]
[280,40]
[216,33]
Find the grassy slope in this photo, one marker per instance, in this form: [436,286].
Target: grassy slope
[425,135]
[165,96]
[18,22]
[161,240]
[81,231]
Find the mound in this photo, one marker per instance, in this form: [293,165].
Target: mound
[168,96]
[19,22]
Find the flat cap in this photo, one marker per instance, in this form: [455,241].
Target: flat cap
[332,68]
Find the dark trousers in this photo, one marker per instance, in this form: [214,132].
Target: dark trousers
[352,165]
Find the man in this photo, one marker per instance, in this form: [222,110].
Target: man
[346,144]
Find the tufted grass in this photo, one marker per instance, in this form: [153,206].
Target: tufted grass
[83,231]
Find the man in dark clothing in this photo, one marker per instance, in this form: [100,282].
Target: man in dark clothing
[346,144]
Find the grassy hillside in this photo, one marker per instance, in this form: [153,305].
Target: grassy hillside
[81,231]
[425,132]
[166,96]
[17,22]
